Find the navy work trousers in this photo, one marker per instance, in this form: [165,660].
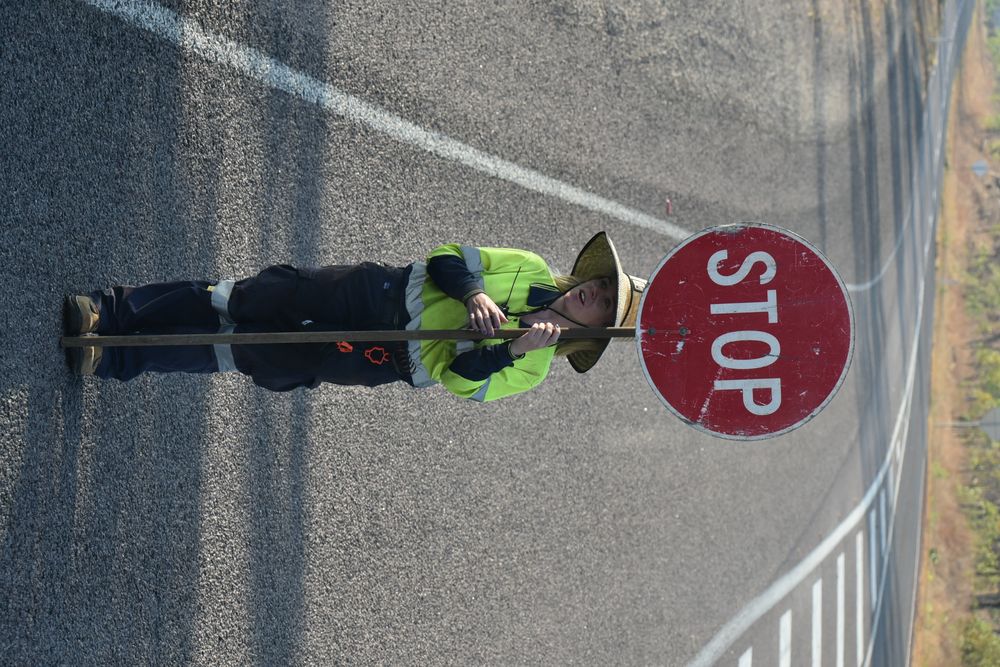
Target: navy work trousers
[280,298]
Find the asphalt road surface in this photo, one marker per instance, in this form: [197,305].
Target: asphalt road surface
[183,519]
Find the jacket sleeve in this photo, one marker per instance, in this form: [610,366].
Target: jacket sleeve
[452,275]
[525,373]
[479,261]
[482,362]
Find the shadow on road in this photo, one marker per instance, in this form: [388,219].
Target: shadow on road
[112,179]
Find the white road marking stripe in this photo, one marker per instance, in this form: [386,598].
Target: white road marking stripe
[840,610]
[766,600]
[897,457]
[908,217]
[275,74]
[870,283]
[885,564]
[746,660]
[872,557]
[890,480]
[913,588]
[757,607]
[253,63]
[785,640]
[760,605]
[881,521]
[859,594]
[187,34]
[817,623]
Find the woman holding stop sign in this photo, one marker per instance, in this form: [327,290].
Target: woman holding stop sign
[483,289]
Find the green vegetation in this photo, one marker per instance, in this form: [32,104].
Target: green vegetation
[980,647]
[980,496]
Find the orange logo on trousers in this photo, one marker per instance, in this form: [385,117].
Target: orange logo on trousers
[377,355]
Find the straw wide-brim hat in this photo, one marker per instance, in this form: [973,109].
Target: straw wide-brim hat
[599,259]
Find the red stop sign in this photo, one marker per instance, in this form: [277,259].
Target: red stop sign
[745,331]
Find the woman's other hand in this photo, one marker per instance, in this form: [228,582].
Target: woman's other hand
[484,315]
[541,334]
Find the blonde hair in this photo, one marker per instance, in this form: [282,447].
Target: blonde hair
[565,283]
[565,347]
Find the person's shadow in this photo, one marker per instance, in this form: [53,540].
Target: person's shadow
[107,490]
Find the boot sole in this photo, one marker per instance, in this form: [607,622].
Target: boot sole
[77,357]
[72,322]
[73,318]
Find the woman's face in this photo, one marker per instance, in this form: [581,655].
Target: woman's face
[591,303]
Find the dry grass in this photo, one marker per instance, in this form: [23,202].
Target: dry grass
[947,570]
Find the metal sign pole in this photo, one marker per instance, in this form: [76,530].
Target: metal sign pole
[290,337]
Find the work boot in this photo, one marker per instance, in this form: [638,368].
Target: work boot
[84,360]
[80,315]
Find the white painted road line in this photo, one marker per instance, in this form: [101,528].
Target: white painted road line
[908,218]
[785,640]
[189,35]
[840,610]
[254,64]
[257,65]
[872,567]
[881,521]
[763,603]
[859,594]
[890,479]
[817,623]
[746,660]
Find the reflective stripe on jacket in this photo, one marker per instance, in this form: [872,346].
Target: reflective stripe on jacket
[505,275]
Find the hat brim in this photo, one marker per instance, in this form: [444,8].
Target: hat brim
[599,259]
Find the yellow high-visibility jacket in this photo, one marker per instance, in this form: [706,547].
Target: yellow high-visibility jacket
[506,275]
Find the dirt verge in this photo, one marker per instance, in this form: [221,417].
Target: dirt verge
[947,570]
